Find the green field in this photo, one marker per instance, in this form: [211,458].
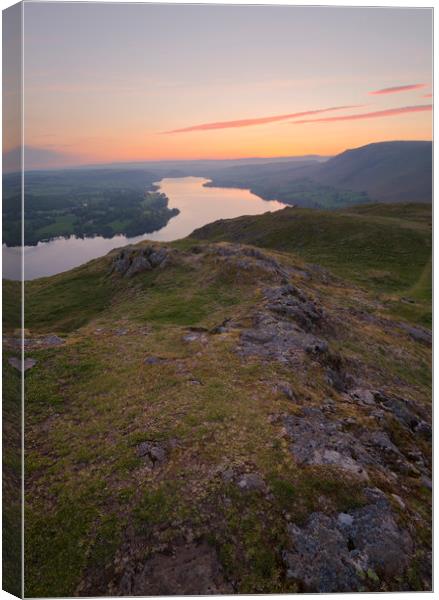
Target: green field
[82,203]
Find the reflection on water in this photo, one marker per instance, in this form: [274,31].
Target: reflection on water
[198,206]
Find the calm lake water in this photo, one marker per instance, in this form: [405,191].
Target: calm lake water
[198,206]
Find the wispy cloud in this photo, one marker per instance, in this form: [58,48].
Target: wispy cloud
[427,95]
[398,88]
[390,112]
[258,120]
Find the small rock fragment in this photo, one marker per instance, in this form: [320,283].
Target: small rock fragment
[24,366]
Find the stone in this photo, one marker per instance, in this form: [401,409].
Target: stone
[423,429]
[131,260]
[27,364]
[228,475]
[345,520]
[381,440]
[154,453]
[318,440]
[186,569]
[329,554]
[286,390]
[406,413]
[251,481]
[154,360]
[195,336]
[139,264]
[419,334]
[363,396]
[317,347]
[52,340]
[157,258]
[222,328]
[275,338]
[399,501]
[426,482]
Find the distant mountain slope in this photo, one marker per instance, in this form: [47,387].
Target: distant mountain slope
[381,172]
[387,171]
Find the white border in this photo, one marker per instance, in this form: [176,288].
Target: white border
[353,3]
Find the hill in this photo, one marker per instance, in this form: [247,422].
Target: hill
[386,248]
[387,171]
[213,417]
[381,172]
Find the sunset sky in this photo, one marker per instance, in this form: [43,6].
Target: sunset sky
[137,82]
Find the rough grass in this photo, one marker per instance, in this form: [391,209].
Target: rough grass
[64,302]
[92,400]
[386,248]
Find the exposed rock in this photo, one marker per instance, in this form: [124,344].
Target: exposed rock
[345,520]
[190,569]
[286,389]
[138,264]
[272,338]
[363,396]
[406,413]
[158,257]
[224,327]
[333,554]
[154,360]
[419,334]
[24,366]
[131,261]
[52,340]
[195,336]
[426,482]
[154,453]
[228,475]
[399,501]
[379,439]
[289,301]
[35,343]
[316,440]
[251,481]
[121,331]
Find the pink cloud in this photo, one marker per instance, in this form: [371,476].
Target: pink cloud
[427,95]
[398,88]
[390,112]
[257,121]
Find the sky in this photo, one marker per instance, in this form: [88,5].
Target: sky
[125,82]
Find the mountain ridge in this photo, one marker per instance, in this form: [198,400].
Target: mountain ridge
[398,171]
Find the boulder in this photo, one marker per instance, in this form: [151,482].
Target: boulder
[154,453]
[335,553]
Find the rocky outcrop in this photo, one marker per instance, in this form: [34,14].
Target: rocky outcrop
[347,445]
[131,261]
[349,551]
[22,366]
[286,327]
[155,454]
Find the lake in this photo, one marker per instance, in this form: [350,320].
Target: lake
[198,206]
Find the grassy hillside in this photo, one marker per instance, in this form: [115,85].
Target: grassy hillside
[388,171]
[202,415]
[381,172]
[385,248]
